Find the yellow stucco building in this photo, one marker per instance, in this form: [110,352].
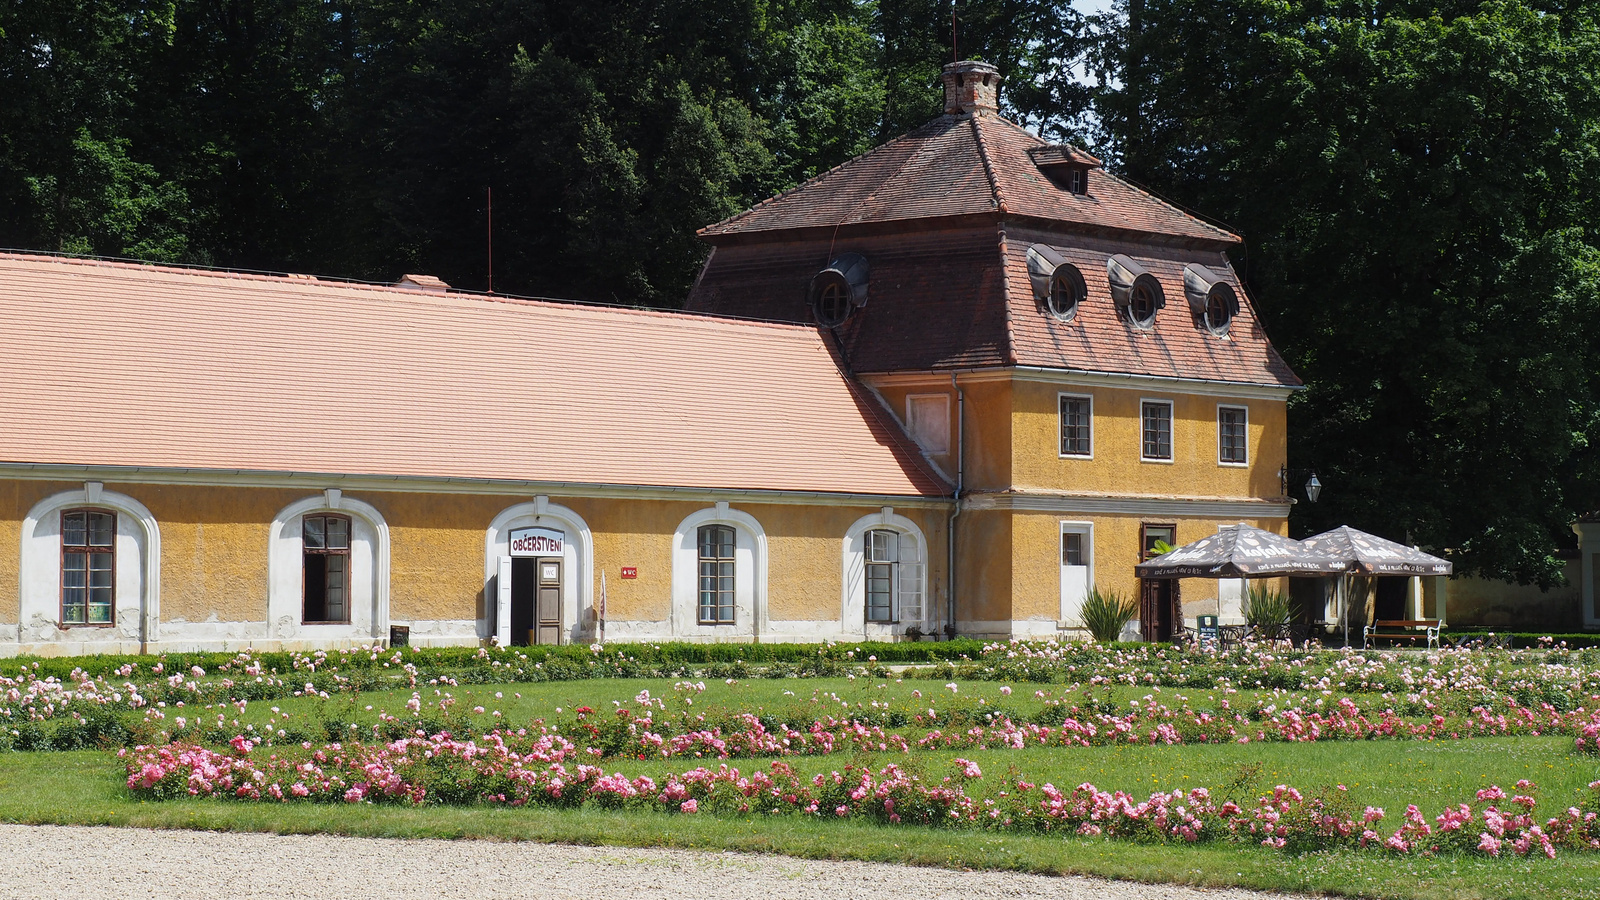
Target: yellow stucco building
[942,389]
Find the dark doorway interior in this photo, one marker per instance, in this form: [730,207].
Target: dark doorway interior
[524,591]
[1160,615]
[1158,608]
[1390,599]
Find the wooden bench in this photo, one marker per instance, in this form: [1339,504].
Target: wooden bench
[1402,630]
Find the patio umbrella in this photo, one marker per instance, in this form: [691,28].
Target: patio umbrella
[1368,554]
[1240,551]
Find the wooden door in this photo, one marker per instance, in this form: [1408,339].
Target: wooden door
[1160,610]
[548,606]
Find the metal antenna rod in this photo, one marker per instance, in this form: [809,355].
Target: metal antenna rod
[491,238]
[954,56]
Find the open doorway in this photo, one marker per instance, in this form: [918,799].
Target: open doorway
[535,601]
[1160,609]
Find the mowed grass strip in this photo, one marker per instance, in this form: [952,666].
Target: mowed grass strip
[85,788]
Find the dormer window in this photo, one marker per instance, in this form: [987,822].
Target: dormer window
[1057,284]
[1065,291]
[833,302]
[1142,307]
[1066,166]
[1217,314]
[1136,293]
[839,289]
[1211,299]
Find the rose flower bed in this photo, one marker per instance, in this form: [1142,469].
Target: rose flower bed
[519,769]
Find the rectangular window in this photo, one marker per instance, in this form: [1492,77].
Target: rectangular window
[325,547]
[928,420]
[893,577]
[1157,443]
[1071,548]
[717,566]
[1076,419]
[1232,425]
[88,567]
[883,552]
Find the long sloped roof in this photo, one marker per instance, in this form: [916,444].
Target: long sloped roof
[961,166]
[112,364]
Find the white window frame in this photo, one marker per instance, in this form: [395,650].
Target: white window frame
[911,426]
[853,597]
[749,573]
[1086,529]
[136,602]
[1172,425]
[1066,395]
[1246,411]
[368,595]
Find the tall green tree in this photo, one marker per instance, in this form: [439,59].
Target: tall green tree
[1417,186]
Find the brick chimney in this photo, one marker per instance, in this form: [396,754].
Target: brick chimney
[971,88]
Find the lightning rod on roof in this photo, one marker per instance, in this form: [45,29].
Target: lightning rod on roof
[490,236]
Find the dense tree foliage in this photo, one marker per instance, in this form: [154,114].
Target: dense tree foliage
[362,137]
[1416,181]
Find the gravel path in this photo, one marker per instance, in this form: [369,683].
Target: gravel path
[107,863]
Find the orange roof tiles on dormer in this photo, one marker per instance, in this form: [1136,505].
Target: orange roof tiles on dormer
[119,365]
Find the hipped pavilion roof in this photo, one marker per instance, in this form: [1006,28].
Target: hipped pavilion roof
[1368,554]
[1240,551]
[121,365]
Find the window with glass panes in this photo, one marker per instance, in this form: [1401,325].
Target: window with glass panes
[894,577]
[717,548]
[325,541]
[88,567]
[1075,415]
[1071,548]
[883,552]
[1231,435]
[1157,430]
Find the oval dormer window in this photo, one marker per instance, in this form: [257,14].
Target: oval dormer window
[1211,298]
[1058,286]
[833,302]
[1142,306]
[1066,291]
[1217,313]
[1136,293]
[839,289]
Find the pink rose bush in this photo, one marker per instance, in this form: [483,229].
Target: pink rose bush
[648,733]
[517,769]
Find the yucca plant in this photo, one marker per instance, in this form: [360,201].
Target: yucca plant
[1269,612]
[1107,613]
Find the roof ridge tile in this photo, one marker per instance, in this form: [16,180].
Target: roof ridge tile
[988,166]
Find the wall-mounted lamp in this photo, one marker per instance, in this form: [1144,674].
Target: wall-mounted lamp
[1313,486]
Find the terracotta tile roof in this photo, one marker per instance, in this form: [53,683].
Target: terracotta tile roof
[1097,339]
[944,217]
[112,364]
[963,166]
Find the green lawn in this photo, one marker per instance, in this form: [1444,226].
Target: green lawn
[85,787]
